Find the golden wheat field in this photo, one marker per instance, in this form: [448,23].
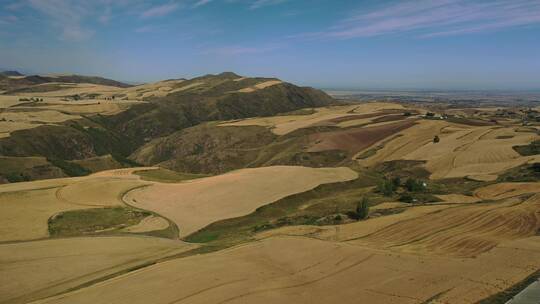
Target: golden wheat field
[302,270]
[197,203]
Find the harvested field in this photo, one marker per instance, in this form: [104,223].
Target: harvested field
[21,115]
[458,198]
[26,207]
[341,116]
[260,86]
[287,269]
[33,270]
[463,231]
[62,89]
[97,192]
[506,190]
[479,152]
[282,125]
[156,89]
[150,223]
[356,139]
[24,214]
[194,204]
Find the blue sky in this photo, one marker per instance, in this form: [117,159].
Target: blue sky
[437,44]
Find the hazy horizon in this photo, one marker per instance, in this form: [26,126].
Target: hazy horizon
[433,45]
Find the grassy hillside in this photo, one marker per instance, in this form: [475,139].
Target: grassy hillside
[212,149]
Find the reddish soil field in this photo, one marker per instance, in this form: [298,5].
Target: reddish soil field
[355,140]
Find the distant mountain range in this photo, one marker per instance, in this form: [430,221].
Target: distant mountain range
[13,80]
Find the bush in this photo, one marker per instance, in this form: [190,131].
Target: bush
[406,198]
[386,187]
[396,181]
[413,185]
[436,139]
[362,209]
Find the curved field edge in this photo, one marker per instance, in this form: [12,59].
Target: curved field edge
[198,203]
[241,229]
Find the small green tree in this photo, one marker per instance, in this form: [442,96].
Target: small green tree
[362,209]
[414,185]
[396,181]
[386,187]
[436,139]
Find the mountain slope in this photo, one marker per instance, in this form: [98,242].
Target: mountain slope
[186,103]
[213,97]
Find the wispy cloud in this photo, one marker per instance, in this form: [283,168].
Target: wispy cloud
[8,19]
[201,3]
[65,14]
[436,18]
[160,10]
[146,29]
[262,3]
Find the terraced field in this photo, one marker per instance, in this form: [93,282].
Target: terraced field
[329,116]
[480,153]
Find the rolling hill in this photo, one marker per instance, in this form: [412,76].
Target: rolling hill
[92,117]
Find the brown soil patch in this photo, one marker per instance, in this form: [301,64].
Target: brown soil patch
[356,139]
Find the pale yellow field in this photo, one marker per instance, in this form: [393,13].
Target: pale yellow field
[150,223]
[156,89]
[353,230]
[26,207]
[195,204]
[478,152]
[260,86]
[458,198]
[7,101]
[52,111]
[281,125]
[506,190]
[69,89]
[37,269]
[304,270]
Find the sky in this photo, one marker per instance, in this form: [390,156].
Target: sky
[371,44]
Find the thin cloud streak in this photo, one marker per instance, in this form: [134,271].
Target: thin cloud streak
[262,3]
[435,18]
[160,10]
[201,3]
